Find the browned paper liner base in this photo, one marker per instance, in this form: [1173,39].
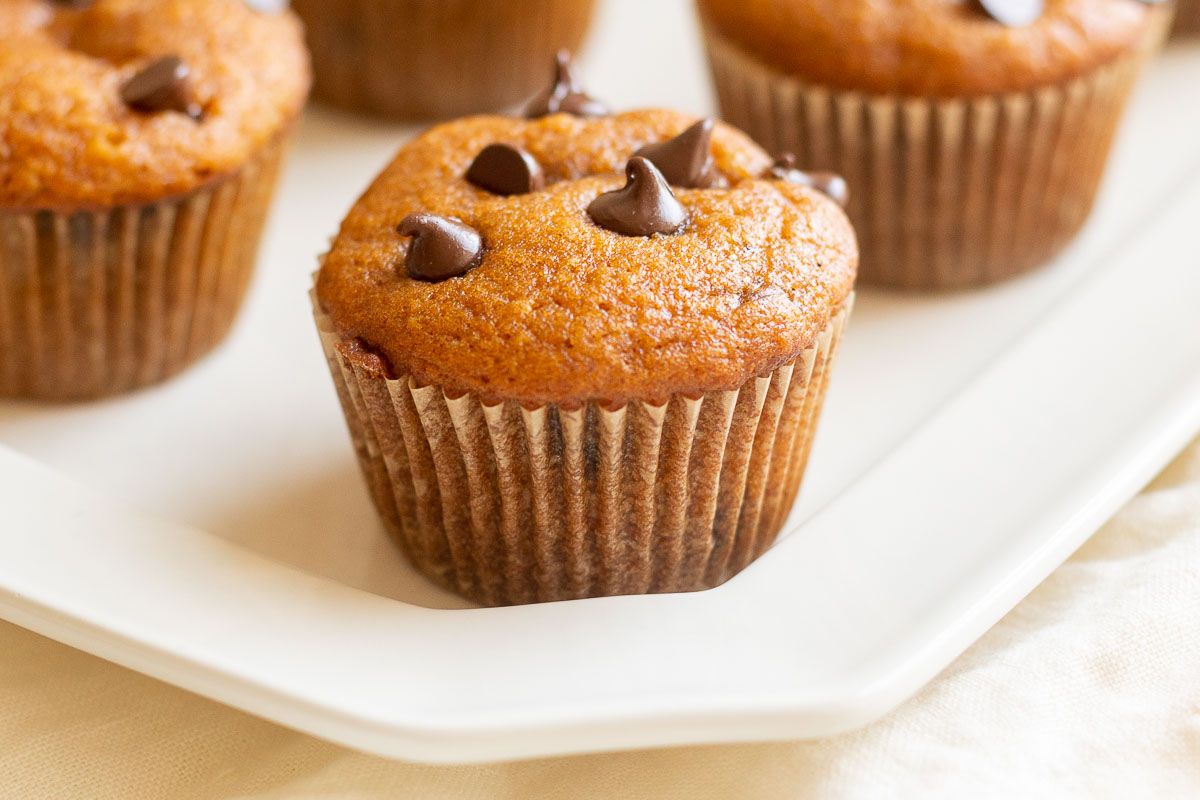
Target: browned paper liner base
[94,303]
[416,59]
[944,194]
[506,504]
[1187,19]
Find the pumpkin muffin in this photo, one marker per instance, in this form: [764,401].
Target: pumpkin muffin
[585,356]
[435,59]
[973,135]
[139,144]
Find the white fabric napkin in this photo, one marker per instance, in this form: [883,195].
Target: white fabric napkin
[1090,688]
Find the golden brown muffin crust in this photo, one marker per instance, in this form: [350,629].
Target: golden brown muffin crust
[68,141]
[561,310]
[929,47]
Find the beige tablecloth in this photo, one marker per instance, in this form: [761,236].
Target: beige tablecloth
[1090,688]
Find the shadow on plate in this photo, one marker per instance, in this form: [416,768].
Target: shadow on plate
[325,525]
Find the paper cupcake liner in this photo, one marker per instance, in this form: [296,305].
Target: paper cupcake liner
[457,57]
[94,303]
[508,504]
[944,193]
[1187,19]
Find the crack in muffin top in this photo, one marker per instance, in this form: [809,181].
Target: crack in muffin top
[69,141]
[561,310]
[930,47]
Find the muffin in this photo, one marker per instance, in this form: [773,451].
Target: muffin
[139,145]
[585,356]
[1187,19]
[973,140]
[435,59]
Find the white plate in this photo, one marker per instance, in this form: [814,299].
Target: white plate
[970,443]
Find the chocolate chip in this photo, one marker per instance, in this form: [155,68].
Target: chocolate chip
[564,96]
[441,247]
[506,169]
[642,207]
[162,85]
[1013,13]
[830,183]
[687,159]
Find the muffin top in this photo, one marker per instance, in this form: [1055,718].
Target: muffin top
[79,128]
[930,47]
[560,307]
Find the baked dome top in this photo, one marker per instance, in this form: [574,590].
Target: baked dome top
[68,140]
[930,47]
[562,310]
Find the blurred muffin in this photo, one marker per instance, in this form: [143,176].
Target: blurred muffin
[139,143]
[433,59]
[973,135]
[566,378]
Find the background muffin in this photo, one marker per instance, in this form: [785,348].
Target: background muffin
[431,59]
[139,142]
[565,382]
[973,148]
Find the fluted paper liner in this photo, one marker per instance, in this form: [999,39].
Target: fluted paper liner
[944,193]
[458,56]
[1187,19]
[508,504]
[93,303]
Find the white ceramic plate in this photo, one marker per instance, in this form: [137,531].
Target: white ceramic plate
[970,443]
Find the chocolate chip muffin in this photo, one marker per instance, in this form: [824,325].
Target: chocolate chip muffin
[139,142]
[585,355]
[435,59]
[973,135]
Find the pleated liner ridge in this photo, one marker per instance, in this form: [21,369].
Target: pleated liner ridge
[1187,18]
[506,504]
[94,303]
[944,193]
[459,56]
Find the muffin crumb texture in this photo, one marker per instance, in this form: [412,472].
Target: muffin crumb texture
[561,310]
[68,141]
